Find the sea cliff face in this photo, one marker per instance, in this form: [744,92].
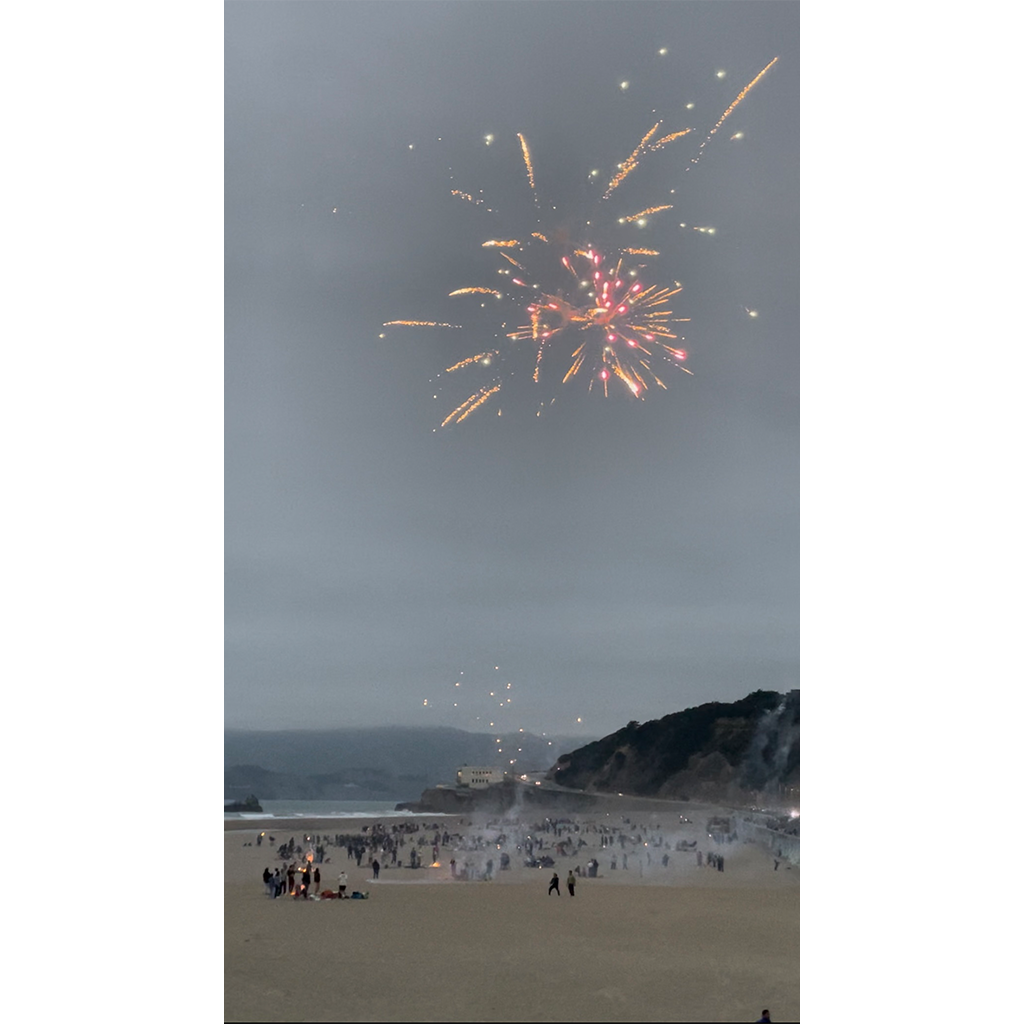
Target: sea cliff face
[714,751]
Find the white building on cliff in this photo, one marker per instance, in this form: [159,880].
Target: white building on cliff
[477,777]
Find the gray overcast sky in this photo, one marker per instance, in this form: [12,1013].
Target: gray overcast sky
[615,559]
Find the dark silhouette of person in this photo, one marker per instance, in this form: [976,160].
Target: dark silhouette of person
[554,885]
[765,1018]
[376,867]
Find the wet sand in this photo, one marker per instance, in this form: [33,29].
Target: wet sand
[682,943]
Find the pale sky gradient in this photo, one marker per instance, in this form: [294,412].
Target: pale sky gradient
[615,559]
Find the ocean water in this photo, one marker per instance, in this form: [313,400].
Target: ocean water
[326,809]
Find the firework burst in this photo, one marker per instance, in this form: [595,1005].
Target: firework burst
[581,311]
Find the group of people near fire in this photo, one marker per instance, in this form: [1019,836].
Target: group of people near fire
[474,855]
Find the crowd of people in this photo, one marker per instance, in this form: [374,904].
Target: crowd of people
[478,852]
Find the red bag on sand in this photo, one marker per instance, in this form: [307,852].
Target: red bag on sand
[327,895]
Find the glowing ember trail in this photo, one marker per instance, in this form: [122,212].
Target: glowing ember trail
[470,405]
[735,103]
[527,161]
[421,323]
[645,213]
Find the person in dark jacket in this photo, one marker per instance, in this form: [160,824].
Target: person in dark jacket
[553,887]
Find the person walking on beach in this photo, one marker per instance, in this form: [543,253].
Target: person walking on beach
[342,884]
[554,885]
[571,883]
[316,880]
[376,868]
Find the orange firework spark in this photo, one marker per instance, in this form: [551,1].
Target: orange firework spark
[732,106]
[527,161]
[645,213]
[631,162]
[470,405]
[480,357]
[670,138]
[421,323]
[600,323]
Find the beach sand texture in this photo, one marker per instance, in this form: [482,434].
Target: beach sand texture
[688,944]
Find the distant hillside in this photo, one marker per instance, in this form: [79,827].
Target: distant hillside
[715,750]
[386,763]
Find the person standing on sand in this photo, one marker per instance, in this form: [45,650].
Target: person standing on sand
[376,868]
[571,883]
[554,885]
[316,880]
[342,884]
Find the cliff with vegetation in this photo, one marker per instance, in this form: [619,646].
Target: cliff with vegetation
[715,751]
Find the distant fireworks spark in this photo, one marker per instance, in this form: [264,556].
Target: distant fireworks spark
[584,311]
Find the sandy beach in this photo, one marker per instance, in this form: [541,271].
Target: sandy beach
[651,943]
